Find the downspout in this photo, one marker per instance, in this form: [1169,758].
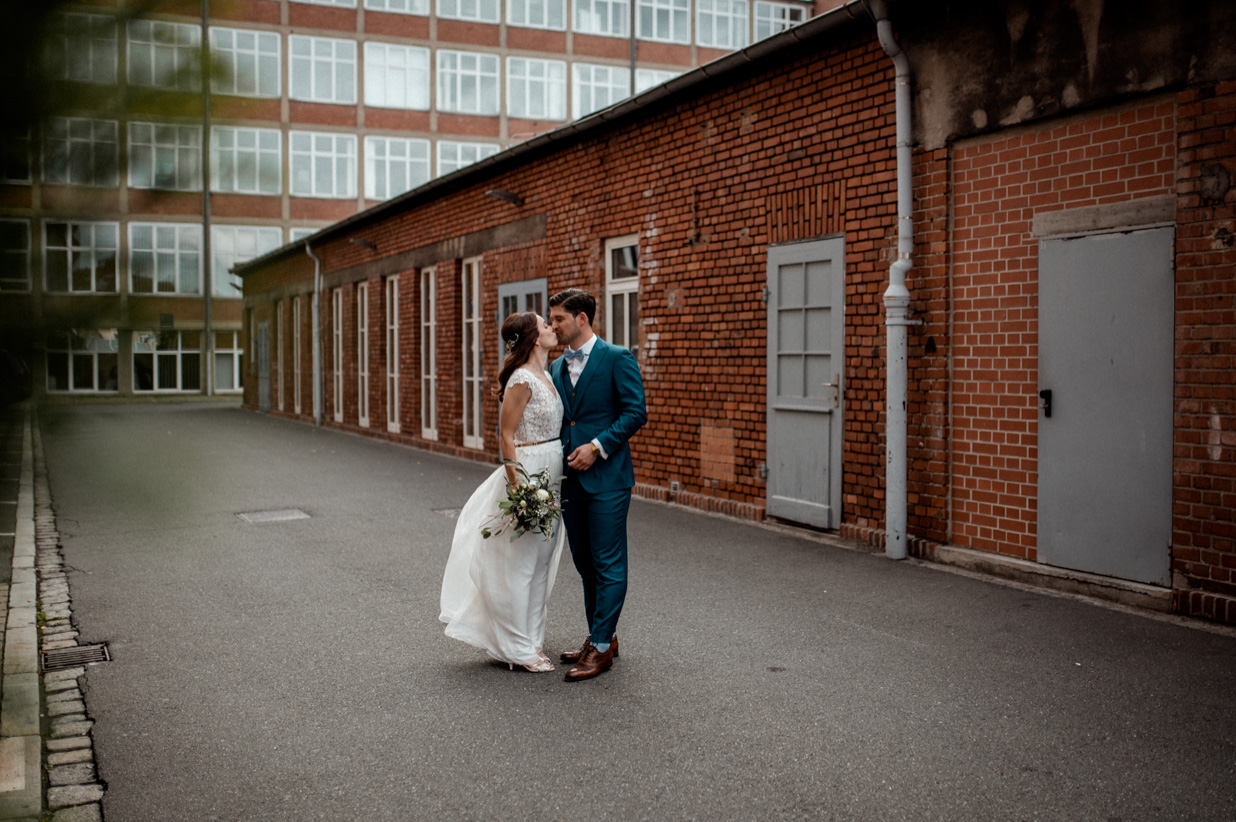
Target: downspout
[317,336]
[897,303]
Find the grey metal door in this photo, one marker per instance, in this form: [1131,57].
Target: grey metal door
[806,359]
[1106,326]
[263,364]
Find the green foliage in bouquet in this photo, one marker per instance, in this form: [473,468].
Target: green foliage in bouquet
[532,504]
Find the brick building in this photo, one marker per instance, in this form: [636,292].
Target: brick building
[1069,409]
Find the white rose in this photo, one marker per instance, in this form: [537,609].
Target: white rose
[542,494]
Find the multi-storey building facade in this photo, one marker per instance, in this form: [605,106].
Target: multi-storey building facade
[121,215]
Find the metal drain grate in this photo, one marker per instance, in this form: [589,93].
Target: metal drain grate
[283,515]
[61,658]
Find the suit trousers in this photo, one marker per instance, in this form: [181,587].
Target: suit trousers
[596,526]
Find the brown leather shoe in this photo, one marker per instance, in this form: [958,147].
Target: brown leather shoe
[575,656]
[592,664]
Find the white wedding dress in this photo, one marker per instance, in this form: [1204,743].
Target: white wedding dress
[494,590]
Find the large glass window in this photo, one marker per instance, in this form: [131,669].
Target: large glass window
[429,354]
[667,21]
[772,18]
[420,7]
[347,4]
[396,76]
[611,17]
[246,160]
[83,48]
[470,288]
[336,359]
[296,401]
[721,24]
[362,354]
[167,361]
[480,11]
[597,87]
[80,257]
[647,78]
[165,55]
[467,82]
[622,291]
[232,244]
[392,354]
[453,156]
[165,156]
[14,255]
[536,89]
[82,360]
[323,165]
[82,152]
[394,165]
[537,14]
[323,69]
[246,62]
[165,258]
[228,361]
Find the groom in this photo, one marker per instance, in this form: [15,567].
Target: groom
[603,401]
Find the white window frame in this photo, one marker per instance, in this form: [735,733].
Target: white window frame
[232,244]
[103,343]
[16,258]
[162,358]
[722,24]
[476,11]
[299,233]
[296,401]
[164,55]
[279,350]
[362,354]
[155,149]
[231,351]
[76,253]
[462,74]
[307,149]
[345,4]
[84,48]
[774,18]
[254,160]
[337,350]
[537,14]
[470,292]
[419,8]
[397,76]
[337,84]
[450,151]
[182,242]
[588,79]
[663,21]
[536,89]
[429,353]
[251,62]
[605,18]
[622,292]
[393,167]
[80,151]
[647,78]
[392,354]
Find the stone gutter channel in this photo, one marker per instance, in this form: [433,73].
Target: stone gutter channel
[47,767]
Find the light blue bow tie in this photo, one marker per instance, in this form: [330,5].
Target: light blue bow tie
[573,354]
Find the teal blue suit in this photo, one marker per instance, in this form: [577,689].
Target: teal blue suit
[606,404]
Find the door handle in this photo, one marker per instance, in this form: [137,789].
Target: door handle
[836,386]
[1045,396]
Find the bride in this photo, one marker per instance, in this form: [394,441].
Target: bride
[495,590]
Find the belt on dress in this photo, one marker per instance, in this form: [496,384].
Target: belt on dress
[542,442]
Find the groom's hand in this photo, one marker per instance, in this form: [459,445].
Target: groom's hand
[581,458]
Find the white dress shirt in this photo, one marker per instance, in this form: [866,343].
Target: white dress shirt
[575,367]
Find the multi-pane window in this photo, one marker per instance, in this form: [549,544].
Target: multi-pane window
[396,76]
[246,62]
[668,21]
[622,291]
[80,257]
[232,244]
[245,160]
[14,255]
[392,354]
[535,89]
[537,14]
[167,361]
[470,288]
[721,24]
[323,165]
[323,69]
[82,361]
[429,354]
[394,165]
[296,234]
[336,359]
[296,403]
[467,82]
[771,18]
[597,87]
[610,17]
[420,7]
[165,156]
[81,152]
[347,4]
[362,354]
[165,258]
[279,351]
[480,11]
[453,156]
[228,357]
[83,48]
[647,78]
[165,55]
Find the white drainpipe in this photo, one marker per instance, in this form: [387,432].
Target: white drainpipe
[897,303]
[317,336]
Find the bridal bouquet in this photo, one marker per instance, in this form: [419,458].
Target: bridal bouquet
[530,505]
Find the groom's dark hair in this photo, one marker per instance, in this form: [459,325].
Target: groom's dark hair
[575,301]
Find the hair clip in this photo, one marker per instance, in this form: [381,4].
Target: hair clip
[510,345]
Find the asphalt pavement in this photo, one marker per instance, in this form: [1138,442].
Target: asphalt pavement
[296,670]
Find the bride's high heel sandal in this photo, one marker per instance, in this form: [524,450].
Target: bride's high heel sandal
[541,666]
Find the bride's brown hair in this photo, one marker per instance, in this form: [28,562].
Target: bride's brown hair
[519,333]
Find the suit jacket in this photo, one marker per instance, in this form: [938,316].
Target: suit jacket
[607,404]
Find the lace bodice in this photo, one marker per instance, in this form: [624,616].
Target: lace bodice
[542,419]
